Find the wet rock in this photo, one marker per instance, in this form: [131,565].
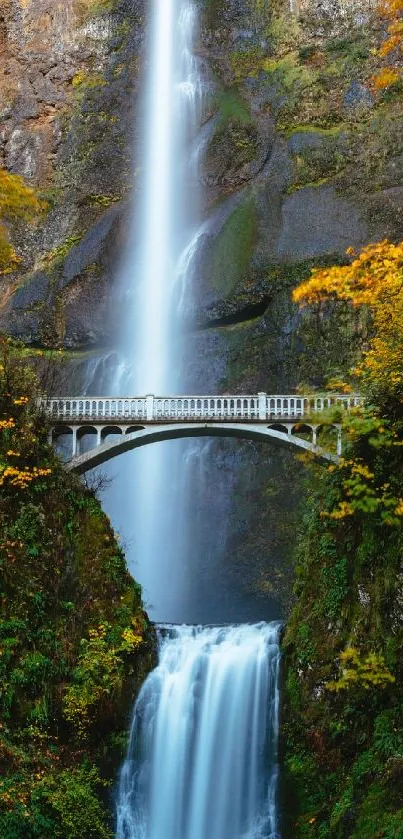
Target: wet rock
[47,92]
[358,94]
[35,290]
[317,222]
[25,326]
[94,243]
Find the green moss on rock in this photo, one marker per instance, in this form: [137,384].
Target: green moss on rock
[233,248]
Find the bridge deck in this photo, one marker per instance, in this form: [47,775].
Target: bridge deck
[132,410]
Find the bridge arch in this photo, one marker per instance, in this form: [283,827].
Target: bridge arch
[157,433]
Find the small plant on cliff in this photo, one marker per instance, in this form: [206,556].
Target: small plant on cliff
[357,670]
[17,202]
[99,674]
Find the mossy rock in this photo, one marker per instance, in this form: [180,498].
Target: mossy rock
[232,249]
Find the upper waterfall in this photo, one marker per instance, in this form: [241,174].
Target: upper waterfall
[148,493]
[165,205]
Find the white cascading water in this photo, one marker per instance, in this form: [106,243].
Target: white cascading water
[147,491]
[202,757]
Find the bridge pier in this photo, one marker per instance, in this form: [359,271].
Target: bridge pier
[262,405]
[150,406]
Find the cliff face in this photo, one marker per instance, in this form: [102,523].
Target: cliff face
[68,83]
[302,161]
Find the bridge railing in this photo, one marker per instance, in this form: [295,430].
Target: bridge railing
[150,408]
[305,406]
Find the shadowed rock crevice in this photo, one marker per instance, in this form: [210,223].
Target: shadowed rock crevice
[243,315]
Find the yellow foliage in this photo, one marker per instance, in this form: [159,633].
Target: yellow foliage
[392,13]
[385,78]
[82,79]
[374,279]
[17,201]
[5,424]
[18,431]
[20,478]
[344,510]
[98,675]
[358,670]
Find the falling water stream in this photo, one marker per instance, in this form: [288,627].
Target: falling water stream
[150,492]
[202,757]
[201,762]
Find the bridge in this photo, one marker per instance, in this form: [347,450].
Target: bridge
[100,428]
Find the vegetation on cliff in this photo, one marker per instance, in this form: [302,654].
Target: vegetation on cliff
[343,725]
[74,640]
[18,202]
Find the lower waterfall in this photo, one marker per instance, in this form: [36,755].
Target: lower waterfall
[202,756]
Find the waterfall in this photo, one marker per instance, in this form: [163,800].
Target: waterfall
[148,489]
[202,758]
[201,761]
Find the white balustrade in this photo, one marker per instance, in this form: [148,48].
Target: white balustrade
[260,407]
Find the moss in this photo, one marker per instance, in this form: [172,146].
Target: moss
[87,9]
[232,108]
[246,63]
[102,200]
[233,248]
[332,131]
[305,183]
[53,258]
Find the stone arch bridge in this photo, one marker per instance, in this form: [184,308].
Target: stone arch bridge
[100,428]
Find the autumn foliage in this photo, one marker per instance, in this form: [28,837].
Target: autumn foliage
[17,202]
[391,12]
[374,280]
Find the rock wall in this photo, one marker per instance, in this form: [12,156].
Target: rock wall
[68,86]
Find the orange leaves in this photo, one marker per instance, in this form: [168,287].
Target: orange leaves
[6,424]
[374,275]
[392,12]
[385,78]
[19,467]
